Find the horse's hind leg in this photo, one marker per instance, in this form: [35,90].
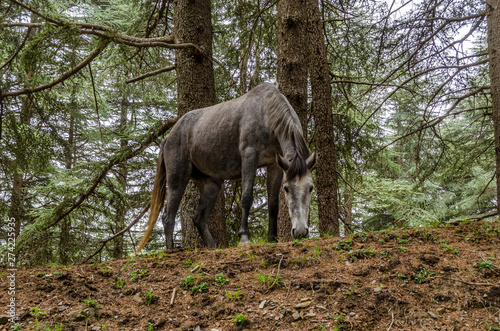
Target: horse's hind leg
[178,175]
[209,191]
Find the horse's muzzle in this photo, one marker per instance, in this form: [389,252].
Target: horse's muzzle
[302,233]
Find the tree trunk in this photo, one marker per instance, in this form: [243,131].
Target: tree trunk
[196,89]
[292,77]
[121,208]
[326,168]
[493,10]
[64,240]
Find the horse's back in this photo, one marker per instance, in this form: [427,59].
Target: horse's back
[215,137]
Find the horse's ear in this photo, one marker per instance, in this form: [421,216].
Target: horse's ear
[311,161]
[282,162]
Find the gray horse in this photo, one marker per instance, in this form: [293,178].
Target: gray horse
[229,141]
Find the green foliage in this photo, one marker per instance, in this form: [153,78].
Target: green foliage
[240,319]
[422,276]
[361,254]
[409,155]
[220,279]
[269,281]
[137,274]
[90,302]
[485,264]
[151,297]
[236,295]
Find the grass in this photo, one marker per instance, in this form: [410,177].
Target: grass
[236,295]
[137,274]
[269,280]
[220,279]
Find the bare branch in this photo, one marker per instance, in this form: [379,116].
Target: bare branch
[151,73]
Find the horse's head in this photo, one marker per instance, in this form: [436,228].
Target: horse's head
[298,186]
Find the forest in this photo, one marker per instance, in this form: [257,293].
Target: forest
[399,98]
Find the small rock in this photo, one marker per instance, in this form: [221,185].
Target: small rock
[138,297]
[320,307]
[347,263]
[311,314]
[262,304]
[296,316]
[377,289]
[432,315]
[197,328]
[302,305]
[81,313]
[62,308]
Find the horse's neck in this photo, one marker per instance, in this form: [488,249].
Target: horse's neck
[287,148]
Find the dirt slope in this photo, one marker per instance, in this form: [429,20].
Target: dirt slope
[431,278]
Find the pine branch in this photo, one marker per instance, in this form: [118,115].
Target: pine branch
[62,78]
[70,204]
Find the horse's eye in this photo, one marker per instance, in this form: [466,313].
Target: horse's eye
[286,188]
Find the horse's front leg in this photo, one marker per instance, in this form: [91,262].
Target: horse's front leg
[248,170]
[274,179]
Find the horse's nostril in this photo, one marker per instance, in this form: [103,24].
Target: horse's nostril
[293,233]
[307,233]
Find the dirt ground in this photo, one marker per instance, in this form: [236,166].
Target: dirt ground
[429,278]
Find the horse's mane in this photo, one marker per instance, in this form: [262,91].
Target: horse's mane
[285,122]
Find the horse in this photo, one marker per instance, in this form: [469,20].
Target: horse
[232,140]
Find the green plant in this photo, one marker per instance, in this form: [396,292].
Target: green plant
[136,275]
[17,327]
[403,249]
[297,242]
[37,312]
[403,278]
[200,288]
[344,245]
[151,297]
[485,265]
[56,327]
[269,281]
[189,282]
[151,326]
[240,319]
[236,295]
[188,263]
[420,277]
[340,323]
[361,254]
[220,279]
[387,254]
[90,302]
[120,283]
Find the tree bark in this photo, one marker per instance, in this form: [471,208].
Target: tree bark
[64,240]
[292,77]
[121,208]
[196,89]
[326,168]
[493,10]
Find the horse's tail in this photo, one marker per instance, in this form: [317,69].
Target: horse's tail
[157,199]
